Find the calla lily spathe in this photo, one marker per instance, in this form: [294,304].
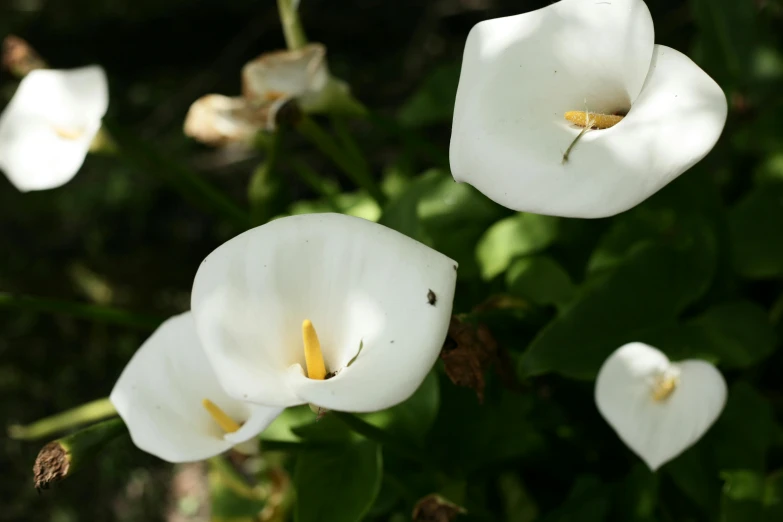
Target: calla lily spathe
[48,126]
[283,75]
[522,74]
[174,408]
[658,408]
[372,302]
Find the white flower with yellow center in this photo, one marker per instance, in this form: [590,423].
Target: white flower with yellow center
[48,126]
[572,110]
[658,408]
[325,309]
[174,408]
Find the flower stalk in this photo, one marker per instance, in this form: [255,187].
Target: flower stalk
[90,412]
[359,173]
[293,31]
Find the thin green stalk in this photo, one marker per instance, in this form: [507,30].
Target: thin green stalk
[384,438]
[329,146]
[264,185]
[89,412]
[292,27]
[98,313]
[349,143]
[314,181]
[146,157]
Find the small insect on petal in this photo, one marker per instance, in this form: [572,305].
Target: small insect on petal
[593,120]
[432,298]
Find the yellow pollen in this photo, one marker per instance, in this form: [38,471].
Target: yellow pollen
[68,134]
[316,369]
[228,424]
[273,95]
[664,388]
[596,121]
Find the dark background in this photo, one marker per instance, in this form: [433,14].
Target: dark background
[121,235]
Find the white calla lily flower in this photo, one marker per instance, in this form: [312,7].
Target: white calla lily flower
[301,74]
[658,408]
[215,119]
[173,405]
[379,301]
[532,84]
[48,126]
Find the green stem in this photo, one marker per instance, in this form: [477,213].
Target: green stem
[292,26]
[89,412]
[264,185]
[98,313]
[314,181]
[349,143]
[329,146]
[384,438]
[148,158]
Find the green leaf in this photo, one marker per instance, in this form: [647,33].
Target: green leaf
[739,333]
[773,498]
[640,291]
[514,236]
[755,224]
[413,418]
[588,501]
[739,440]
[743,494]
[339,485]
[402,213]
[325,429]
[735,335]
[726,36]
[636,498]
[541,280]
[433,102]
[479,435]
[445,215]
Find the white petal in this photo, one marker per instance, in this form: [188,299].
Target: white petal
[302,74]
[159,396]
[357,281]
[520,74]
[47,128]
[219,120]
[658,431]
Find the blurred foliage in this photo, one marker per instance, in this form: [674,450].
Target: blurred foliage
[696,270]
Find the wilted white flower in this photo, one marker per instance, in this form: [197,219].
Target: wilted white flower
[532,83]
[658,408]
[379,301]
[281,75]
[215,119]
[48,126]
[172,403]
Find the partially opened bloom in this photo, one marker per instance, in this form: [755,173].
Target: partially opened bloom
[172,403]
[48,126]
[302,74]
[531,85]
[658,408]
[325,309]
[215,119]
